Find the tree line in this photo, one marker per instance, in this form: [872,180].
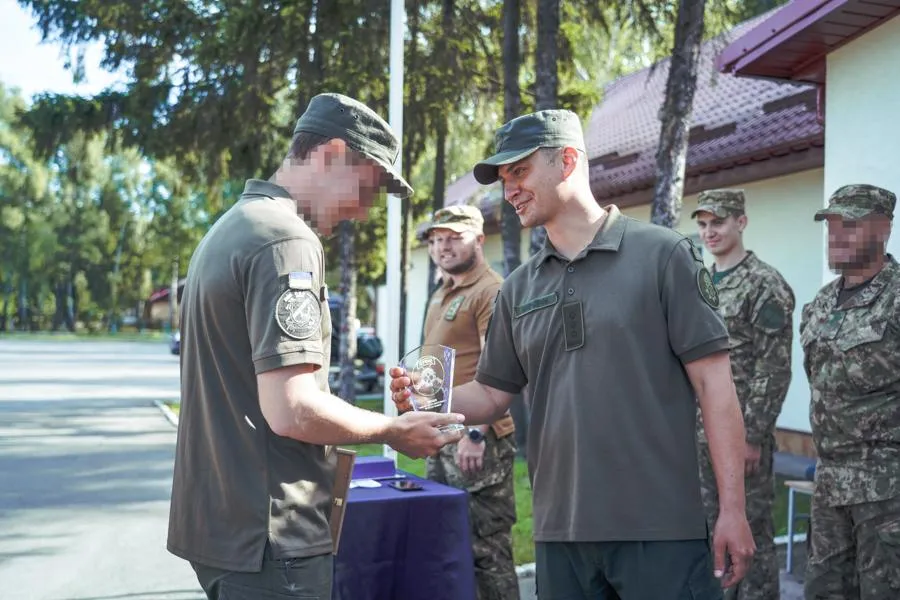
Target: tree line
[102,197]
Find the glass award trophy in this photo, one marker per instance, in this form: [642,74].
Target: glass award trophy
[430,371]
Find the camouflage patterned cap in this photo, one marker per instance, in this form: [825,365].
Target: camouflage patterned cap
[337,116]
[721,203]
[858,200]
[522,136]
[457,218]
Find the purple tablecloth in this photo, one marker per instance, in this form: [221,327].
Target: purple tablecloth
[405,545]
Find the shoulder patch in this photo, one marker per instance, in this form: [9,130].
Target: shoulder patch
[298,313]
[771,315]
[707,288]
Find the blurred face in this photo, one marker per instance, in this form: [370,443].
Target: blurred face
[531,187]
[720,235]
[855,244]
[345,183]
[455,253]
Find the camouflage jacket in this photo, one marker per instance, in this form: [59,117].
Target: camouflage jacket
[758,307]
[852,359]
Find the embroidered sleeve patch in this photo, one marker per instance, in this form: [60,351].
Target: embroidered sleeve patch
[298,313]
[707,288]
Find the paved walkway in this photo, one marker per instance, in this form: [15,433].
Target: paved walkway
[85,473]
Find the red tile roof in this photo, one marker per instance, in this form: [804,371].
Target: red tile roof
[736,122]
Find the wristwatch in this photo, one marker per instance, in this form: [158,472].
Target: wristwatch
[475,435]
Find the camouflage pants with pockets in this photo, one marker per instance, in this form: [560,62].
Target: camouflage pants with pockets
[762,580]
[492,512]
[854,552]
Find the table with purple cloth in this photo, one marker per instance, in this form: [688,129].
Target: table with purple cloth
[403,545]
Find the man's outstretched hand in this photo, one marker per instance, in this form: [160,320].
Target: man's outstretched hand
[417,434]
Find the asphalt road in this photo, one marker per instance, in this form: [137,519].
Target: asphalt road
[85,473]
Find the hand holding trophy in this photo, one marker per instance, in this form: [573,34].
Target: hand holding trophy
[429,369]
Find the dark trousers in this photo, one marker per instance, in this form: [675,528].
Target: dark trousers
[308,578]
[677,570]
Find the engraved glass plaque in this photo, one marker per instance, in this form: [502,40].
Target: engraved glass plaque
[430,371]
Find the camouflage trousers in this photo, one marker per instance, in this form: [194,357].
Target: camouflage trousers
[854,551]
[492,512]
[762,579]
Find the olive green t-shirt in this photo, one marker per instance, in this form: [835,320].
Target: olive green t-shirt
[601,341]
[254,300]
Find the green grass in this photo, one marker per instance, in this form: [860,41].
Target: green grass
[65,336]
[523,544]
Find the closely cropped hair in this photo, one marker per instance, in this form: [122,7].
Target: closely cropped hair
[552,155]
[305,142]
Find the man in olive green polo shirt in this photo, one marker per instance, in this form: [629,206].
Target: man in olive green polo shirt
[613,326]
[254,462]
[482,462]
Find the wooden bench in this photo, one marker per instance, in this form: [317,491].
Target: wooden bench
[795,487]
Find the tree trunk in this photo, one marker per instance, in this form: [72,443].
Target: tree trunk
[438,191]
[675,115]
[347,340]
[546,78]
[510,228]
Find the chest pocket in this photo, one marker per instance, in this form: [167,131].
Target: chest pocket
[869,353]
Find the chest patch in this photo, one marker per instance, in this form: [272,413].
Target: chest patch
[454,308]
[535,304]
[298,313]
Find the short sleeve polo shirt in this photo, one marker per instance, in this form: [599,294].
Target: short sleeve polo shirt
[602,341]
[254,300]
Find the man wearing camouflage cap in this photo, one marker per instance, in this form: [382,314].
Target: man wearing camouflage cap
[758,306]
[851,345]
[482,462]
[614,329]
[254,462]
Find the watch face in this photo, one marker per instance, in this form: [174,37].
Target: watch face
[475,435]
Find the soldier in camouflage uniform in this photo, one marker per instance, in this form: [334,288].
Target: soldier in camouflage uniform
[482,462]
[850,334]
[758,306]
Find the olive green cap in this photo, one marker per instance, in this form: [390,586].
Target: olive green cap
[458,218]
[522,136]
[721,203]
[857,201]
[337,116]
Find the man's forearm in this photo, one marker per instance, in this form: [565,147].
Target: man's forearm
[480,404]
[723,424]
[724,427]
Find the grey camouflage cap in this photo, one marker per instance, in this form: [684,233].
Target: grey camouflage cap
[721,203]
[522,136]
[857,201]
[337,116]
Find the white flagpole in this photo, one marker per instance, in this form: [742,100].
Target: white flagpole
[394,215]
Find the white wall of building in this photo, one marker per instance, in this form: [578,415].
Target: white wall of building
[781,231]
[862,97]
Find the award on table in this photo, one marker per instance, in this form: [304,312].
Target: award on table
[430,371]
